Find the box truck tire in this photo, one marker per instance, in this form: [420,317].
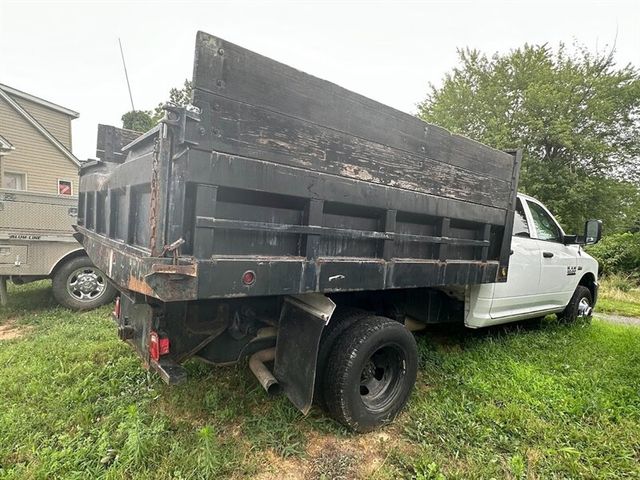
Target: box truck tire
[370,373]
[79,285]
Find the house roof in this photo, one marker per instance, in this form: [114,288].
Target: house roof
[4,94]
[41,101]
[5,145]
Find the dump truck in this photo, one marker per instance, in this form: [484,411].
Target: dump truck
[284,220]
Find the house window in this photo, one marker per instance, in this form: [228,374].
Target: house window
[64,187]
[14,181]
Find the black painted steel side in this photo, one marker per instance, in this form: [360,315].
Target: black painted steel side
[310,187]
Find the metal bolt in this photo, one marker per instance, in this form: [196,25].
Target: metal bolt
[220,51]
[219,83]
[202,131]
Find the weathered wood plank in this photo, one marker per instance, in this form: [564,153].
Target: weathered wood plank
[242,129]
[242,172]
[237,73]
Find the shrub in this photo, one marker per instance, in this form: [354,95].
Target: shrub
[618,253]
[617,281]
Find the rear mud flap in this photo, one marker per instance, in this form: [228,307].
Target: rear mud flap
[302,320]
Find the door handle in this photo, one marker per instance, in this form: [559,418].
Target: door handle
[547,254]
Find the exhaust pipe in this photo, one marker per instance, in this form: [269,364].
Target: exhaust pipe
[262,373]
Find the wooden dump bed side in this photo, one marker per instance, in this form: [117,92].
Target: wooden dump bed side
[305,184]
[256,107]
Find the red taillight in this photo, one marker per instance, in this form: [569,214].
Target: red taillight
[164,346]
[116,308]
[249,277]
[157,346]
[154,346]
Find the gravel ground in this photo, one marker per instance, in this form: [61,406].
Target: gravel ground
[618,319]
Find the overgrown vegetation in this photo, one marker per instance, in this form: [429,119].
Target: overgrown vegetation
[619,254]
[518,402]
[619,294]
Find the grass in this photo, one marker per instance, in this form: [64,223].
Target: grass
[538,402]
[619,296]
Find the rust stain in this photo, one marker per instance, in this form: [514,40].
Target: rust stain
[139,286]
[188,270]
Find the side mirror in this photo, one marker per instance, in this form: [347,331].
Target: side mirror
[592,231]
[571,239]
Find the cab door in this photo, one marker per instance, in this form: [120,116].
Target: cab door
[519,294]
[558,261]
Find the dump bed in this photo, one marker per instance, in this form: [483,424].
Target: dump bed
[277,182]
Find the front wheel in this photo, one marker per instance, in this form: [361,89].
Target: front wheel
[370,374]
[579,308]
[80,285]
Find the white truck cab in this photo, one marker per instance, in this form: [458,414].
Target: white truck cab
[546,269]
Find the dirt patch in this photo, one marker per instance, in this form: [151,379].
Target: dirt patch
[330,457]
[10,330]
[278,468]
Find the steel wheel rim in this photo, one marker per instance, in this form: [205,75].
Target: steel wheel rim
[584,308]
[381,378]
[86,284]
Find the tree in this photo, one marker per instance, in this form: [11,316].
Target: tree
[138,120]
[180,97]
[143,120]
[576,115]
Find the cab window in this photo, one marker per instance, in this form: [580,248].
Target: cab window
[520,225]
[546,227]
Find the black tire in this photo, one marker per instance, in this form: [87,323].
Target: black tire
[79,285]
[342,318]
[575,309]
[370,373]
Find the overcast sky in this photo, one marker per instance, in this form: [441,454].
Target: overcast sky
[67,52]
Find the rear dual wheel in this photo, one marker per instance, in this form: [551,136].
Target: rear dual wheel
[341,320]
[370,373]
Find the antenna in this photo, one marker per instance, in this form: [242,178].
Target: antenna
[126,75]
